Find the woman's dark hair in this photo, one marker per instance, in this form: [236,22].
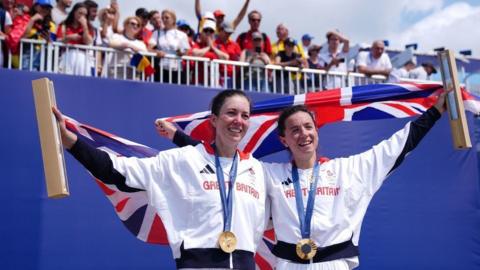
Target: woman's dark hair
[219,99]
[287,112]
[71,15]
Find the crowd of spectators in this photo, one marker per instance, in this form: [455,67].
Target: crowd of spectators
[162,33]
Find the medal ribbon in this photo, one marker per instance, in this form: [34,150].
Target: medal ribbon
[305,216]
[227,199]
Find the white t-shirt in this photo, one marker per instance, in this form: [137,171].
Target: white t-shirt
[419,73]
[366,59]
[58,16]
[332,80]
[169,42]
[123,56]
[8,19]
[398,74]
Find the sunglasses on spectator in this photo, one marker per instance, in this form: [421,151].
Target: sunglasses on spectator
[255,20]
[134,24]
[209,31]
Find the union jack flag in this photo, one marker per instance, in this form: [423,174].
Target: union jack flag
[345,104]
[367,102]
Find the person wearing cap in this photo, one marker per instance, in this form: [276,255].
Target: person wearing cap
[257,59]
[334,58]
[307,41]
[205,47]
[375,61]
[313,80]
[183,26]
[225,44]
[288,57]
[39,27]
[245,40]
[169,41]
[219,15]
[282,34]
[59,12]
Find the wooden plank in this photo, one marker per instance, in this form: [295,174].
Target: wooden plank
[455,108]
[50,139]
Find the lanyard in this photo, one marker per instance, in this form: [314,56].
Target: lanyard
[227,200]
[305,216]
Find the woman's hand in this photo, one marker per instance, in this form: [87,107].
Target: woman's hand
[165,129]
[68,138]
[441,104]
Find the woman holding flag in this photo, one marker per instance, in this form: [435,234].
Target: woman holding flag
[318,205]
[205,230]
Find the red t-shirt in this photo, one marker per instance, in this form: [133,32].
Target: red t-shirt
[70,30]
[246,42]
[233,51]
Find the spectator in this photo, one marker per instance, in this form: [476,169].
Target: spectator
[169,41]
[21,17]
[92,11]
[374,62]
[59,12]
[257,59]
[76,29]
[423,72]
[208,16]
[282,34]
[245,40]
[183,26]
[398,74]
[156,20]
[145,33]
[106,16]
[334,59]
[307,41]
[313,59]
[220,16]
[288,57]
[313,62]
[39,27]
[126,43]
[205,47]
[231,48]
[5,28]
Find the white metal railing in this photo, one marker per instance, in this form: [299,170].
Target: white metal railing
[82,60]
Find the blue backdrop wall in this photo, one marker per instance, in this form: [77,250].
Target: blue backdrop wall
[426,215]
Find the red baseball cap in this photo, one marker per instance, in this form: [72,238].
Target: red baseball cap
[218,13]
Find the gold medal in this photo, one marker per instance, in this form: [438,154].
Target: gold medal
[227,242]
[306,249]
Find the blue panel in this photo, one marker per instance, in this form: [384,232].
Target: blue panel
[426,216]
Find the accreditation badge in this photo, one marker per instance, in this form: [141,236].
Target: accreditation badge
[306,249]
[227,242]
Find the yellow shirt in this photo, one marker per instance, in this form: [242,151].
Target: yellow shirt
[279,46]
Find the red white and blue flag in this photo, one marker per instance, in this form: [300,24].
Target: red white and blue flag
[347,104]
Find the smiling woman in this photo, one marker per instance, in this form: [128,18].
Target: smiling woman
[318,205]
[204,231]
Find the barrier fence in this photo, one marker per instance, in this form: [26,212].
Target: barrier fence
[82,60]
